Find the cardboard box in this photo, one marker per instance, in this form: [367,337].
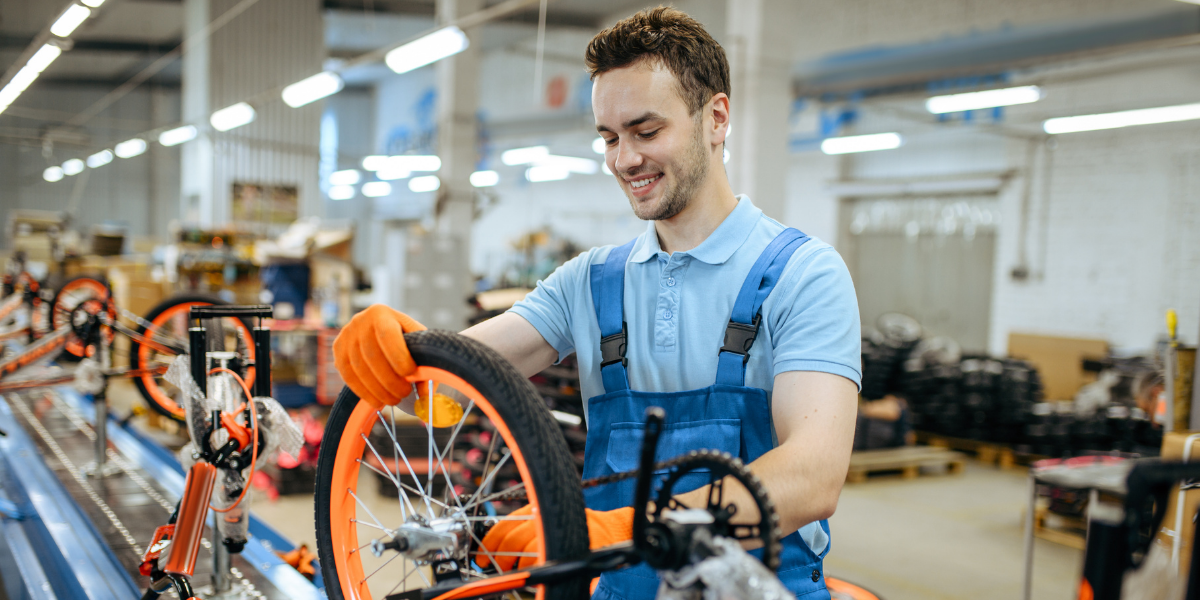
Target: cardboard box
[1059,361]
[1175,448]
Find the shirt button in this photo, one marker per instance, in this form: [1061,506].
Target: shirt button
[667,315]
[671,282]
[816,575]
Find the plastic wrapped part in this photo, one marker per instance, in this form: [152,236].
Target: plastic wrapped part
[232,525]
[195,405]
[279,430]
[721,570]
[89,377]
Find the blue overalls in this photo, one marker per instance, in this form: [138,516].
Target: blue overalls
[726,416]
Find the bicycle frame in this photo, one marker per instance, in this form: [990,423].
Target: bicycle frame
[184,530]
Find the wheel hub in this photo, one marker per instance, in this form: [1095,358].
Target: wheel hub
[423,540]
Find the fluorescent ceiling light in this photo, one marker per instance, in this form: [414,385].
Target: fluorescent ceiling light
[66,24]
[425,183]
[412,162]
[604,167]
[43,57]
[598,145]
[130,148]
[22,79]
[431,48]
[53,174]
[985,99]
[100,159]
[341,192]
[93,3]
[232,116]
[524,156]
[485,178]
[392,174]
[861,143]
[376,189]
[346,177]
[546,173]
[374,162]
[573,164]
[314,88]
[1126,118]
[179,135]
[73,166]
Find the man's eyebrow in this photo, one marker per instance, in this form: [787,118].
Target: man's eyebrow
[649,116]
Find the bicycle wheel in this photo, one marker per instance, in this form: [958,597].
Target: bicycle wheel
[447,482]
[166,325]
[90,292]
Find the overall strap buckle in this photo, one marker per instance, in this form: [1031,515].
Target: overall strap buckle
[739,337]
[612,348]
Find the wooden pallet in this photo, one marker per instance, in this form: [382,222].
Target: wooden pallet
[991,453]
[1060,529]
[907,460]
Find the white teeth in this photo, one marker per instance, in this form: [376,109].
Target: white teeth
[644,182]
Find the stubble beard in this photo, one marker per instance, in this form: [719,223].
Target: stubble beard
[692,172]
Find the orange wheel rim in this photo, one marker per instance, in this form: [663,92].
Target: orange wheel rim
[849,589]
[343,509]
[145,353]
[99,292]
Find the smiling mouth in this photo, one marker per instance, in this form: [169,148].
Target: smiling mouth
[644,182]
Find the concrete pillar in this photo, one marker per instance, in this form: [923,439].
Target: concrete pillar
[458,102]
[759,103]
[269,45]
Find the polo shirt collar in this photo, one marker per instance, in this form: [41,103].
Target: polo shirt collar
[720,244]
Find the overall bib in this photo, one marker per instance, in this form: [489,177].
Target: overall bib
[726,416]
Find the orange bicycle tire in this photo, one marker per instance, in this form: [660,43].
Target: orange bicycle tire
[520,418]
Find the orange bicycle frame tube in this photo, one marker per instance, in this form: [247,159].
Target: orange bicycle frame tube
[189,525]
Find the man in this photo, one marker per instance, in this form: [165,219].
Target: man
[781,392]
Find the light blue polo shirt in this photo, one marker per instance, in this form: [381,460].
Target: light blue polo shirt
[677,307]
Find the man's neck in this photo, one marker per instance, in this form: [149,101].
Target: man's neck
[704,213]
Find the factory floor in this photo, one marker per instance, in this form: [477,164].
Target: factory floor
[936,537]
[939,537]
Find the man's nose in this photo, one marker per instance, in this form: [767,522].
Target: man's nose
[627,159]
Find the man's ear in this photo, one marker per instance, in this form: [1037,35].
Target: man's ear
[718,108]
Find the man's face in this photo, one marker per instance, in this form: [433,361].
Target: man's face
[654,147]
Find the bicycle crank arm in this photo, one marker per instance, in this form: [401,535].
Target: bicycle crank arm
[600,561]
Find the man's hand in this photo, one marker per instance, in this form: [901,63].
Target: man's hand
[371,355]
[605,528]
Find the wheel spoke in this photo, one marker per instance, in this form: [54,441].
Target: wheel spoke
[364,507]
[417,478]
[487,481]
[380,567]
[474,503]
[395,480]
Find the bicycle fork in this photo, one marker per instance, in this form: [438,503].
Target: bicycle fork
[181,538]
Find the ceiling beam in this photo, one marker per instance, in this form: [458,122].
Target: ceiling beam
[554,17]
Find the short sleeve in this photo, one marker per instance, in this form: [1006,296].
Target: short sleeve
[813,315]
[548,307]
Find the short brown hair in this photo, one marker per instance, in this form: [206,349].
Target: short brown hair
[676,40]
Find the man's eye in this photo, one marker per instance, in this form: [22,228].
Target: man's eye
[649,134]
[611,142]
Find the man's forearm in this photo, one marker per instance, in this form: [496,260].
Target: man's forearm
[512,337]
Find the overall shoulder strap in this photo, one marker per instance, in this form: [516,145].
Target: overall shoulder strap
[608,297]
[744,322]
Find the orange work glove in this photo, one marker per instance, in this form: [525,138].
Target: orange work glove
[605,528]
[371,355]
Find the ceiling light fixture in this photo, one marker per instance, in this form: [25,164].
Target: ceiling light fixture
[425,183]
[28,74]
[307,91]
[179,135]
[70,19]
[546,173]
[1125,118]
[100,159]
[440,44]
[573,164]
[53,174]
[93,3]
[391,174]
[374,162]
[485,178]
[524,156]
[43,57]
[986,99]
[375,189]
[598,145]
[232,117]
[345,177]
[861,143]
[72,167]
[130,148]
[341,192]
